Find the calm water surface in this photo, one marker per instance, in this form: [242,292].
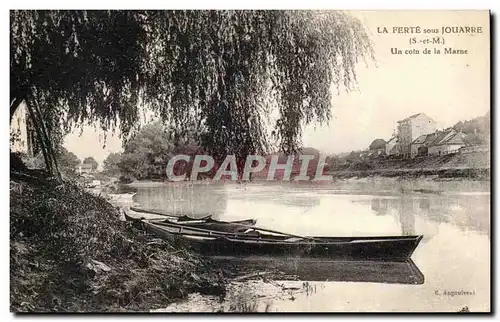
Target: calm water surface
[454,218]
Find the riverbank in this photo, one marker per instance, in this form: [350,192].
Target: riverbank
[69,252]
[482,174]
[369,184]
[468,166]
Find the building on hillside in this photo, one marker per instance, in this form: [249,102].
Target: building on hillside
[411,128]
[438,143]
[446,142]
[392,146]
[84,168]
[420,146]
[377,147]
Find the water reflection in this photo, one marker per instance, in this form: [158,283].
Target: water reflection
[407,216]
[309,269]
[465,212]
[306,210]
[424,204]
[193,200]
[284,195]
[454,254]
[379,206]
[404,212]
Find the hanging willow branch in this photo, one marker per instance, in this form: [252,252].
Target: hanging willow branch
[219,74]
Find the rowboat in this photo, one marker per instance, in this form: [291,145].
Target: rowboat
[258,241]
[214,225]
[184,217]
[132,215]
[121,196]
[160,213]
[205,222]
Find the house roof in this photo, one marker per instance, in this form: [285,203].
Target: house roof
[444,137]
[457,138]
[411,117]
[420,139]
[440,138]
[425,139]
[394,138]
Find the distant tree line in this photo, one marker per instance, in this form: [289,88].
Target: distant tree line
[147,153]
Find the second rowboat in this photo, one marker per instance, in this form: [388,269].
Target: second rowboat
[253,242]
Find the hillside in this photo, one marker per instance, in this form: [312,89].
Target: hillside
[477,129]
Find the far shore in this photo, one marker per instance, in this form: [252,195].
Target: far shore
[376,185]
[452,173]
[443,174]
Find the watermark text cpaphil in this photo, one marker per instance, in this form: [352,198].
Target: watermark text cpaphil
[232,169]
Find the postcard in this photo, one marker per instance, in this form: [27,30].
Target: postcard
[245,161]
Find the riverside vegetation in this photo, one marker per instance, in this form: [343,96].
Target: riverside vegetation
[69,252]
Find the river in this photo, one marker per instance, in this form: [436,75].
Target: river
[453,217]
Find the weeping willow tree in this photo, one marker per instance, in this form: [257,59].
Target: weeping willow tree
[219,74]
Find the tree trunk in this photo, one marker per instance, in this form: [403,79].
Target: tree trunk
[48,163]
[42,135]
[51,152]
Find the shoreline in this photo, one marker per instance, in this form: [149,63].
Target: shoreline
[452,173]
[439,174]
[385,175]
[345,182]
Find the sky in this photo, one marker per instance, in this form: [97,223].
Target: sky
[448,88]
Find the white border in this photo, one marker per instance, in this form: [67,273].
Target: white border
[494,5]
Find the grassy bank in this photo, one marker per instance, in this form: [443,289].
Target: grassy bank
[465,173]
[471,166]
[70,252]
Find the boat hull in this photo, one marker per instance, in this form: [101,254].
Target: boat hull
[398,248]
[138,217]
[215,225]
[203,223]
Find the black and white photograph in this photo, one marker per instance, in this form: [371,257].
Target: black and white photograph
[250,161]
